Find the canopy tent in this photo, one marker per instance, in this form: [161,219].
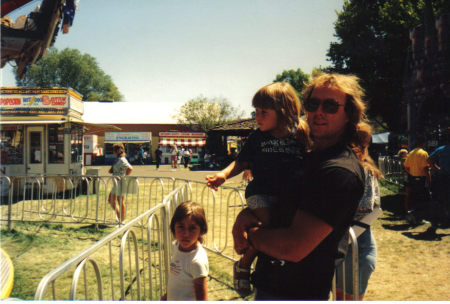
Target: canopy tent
[183,142]
[380,138]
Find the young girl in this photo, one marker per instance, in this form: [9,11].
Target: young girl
[119,169]
[189,264]
[274,154]
[174,157]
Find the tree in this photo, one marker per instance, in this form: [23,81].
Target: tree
[373,41]
[296,78]
[71,69]
[201,113]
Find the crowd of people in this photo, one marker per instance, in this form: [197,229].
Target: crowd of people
[427,191]
[311,179]
[178,157]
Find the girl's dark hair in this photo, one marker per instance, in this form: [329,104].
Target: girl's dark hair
[195,212]
[119,149]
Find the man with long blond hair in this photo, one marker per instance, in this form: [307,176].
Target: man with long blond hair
[297,256]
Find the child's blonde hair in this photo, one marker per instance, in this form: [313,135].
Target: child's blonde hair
[195,212]
[282,97]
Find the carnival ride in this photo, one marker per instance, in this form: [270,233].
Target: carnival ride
[28,38]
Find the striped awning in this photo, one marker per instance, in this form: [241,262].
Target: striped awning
[183,142]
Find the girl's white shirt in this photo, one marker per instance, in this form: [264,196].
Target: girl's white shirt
[184,268]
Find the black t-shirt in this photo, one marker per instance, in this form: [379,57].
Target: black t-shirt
[272,160]
[158,153]
[333,186]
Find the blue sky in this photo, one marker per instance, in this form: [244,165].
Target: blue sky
[168,52]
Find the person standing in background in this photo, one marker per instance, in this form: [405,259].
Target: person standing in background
[158,154]
[440,161]
[186,157]
[417,188]
[174,157]
[119,170]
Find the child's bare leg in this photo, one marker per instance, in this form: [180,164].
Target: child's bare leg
[112,200]
[122,208]
[241,269]
[249,256]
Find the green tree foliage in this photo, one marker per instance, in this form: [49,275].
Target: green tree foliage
[203,113]
[373,41]
[296,78]
[71,69]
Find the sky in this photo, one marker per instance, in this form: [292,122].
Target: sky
[164,53]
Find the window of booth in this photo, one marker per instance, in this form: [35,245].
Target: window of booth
[132,151]
[76,144]
[108,148]
[55,144]
[11,145]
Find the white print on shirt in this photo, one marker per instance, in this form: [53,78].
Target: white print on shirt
[175,267]
[280,146]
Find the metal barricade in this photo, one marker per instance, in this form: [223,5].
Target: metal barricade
[392,169]
[132,262]
[353,242]
[77,199]
[135,270]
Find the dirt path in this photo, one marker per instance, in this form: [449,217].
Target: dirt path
[413,263]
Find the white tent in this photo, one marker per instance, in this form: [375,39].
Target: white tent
[380,138]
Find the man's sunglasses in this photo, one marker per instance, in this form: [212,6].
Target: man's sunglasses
[329,105]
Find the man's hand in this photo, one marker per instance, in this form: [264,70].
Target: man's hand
[244,221]
[214,181]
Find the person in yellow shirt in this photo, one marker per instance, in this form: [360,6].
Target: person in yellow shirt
[418,169]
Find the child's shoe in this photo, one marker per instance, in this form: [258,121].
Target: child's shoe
[241,279]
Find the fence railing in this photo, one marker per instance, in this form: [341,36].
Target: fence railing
[131,263]
[76,199]
[392,169]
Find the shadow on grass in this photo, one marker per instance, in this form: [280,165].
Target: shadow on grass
[428,235]
[393,204]
[397,227]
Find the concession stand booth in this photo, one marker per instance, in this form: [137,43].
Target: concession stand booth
[191,140]
[41,131]
[132,141]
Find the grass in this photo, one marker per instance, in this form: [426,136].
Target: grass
[412,264]
[36,248]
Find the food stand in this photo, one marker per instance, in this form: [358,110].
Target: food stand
[132,142]
[192,140]
[41,131]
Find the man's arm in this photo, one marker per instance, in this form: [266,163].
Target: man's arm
[294,243]
[433,164]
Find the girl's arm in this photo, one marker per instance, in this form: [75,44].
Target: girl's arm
[128,171]
[233,169]
[201,289]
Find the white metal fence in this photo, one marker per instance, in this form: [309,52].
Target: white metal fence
[131,263]
[392,169]
[76,199]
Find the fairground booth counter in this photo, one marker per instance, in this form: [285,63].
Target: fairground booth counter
[195,141]
[41,131]
[133,143]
